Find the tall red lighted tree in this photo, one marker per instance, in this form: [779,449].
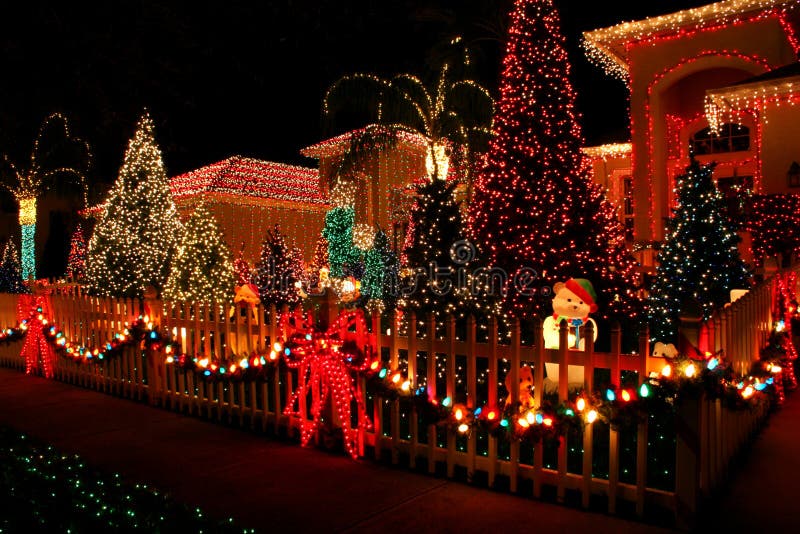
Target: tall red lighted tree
[535,208]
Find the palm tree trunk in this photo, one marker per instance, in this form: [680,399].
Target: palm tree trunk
[27,221]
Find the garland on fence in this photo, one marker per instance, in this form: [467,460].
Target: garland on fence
[331,361]
[786,309]
[132,334]
[680,379]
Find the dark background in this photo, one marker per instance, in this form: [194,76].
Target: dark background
[248,77]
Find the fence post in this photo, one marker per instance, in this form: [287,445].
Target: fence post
[687,462]
[154,367]
[691,319]
[687,426]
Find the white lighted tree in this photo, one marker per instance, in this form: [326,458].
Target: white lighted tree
[137,233]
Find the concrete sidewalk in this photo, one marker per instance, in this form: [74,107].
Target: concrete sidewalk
[263,483]
[764,488]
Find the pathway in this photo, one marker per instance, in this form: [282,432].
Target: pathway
[265,483]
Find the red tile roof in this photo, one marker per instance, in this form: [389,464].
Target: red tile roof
[249,177]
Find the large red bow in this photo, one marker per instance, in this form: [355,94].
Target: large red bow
[327,363]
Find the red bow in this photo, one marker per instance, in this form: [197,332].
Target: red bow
[326,363]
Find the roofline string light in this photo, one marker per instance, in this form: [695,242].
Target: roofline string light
[609,48]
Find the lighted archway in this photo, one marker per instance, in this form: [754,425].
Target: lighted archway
[654,172]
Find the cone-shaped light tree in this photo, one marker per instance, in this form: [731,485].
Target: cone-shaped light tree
[202,270]
[381,266]
[438,232]
[136,236]
[536,209]
[242,269]
[277,271]
[76,261]
[10,270]
[699,260]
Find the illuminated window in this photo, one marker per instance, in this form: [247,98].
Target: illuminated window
[731,138]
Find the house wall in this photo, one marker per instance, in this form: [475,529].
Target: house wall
[381,184]
[780,146]
[247,221]
[735,52]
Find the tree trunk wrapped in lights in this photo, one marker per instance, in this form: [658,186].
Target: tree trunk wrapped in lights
[28,185]
[137,234]
[536,212]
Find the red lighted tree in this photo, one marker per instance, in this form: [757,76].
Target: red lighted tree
[535,206]
[76,262]
[242,270]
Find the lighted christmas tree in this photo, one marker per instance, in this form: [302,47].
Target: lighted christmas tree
[11,270]
[242,269]
[76,261]
[338,230]
[433,253]
[536,212]
[381,273]
[699,260]
[136,236]
[320,254]
[202,270]
[277,271]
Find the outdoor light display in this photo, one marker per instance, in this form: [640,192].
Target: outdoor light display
[28,185]
[536,213]
[137,234]
[609,47]
[201,270]
[700,260]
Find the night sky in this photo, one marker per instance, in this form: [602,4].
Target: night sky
[248,77]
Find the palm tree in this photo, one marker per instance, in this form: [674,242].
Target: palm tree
[454,114]
[28,185]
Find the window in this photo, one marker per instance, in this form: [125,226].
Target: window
[731,138]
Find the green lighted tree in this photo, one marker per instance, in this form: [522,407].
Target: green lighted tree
[338,231]
[699,260]
[381,267]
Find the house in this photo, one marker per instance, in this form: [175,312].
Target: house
[382,185]
[719,81]
[249,196]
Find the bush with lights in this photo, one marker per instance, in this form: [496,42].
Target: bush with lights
[535,205]
[277,272]
[76,261]
[11,271]
[699,260]
[202,270]
[137,233]
[242,270]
